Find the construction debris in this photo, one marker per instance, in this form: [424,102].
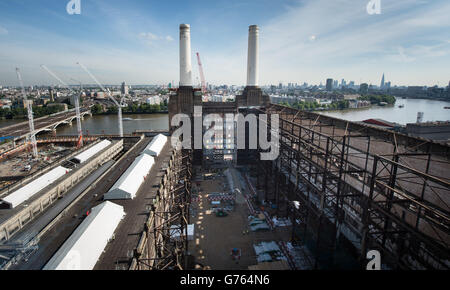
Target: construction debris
[213,196]
[278,265]
[301,257]
[281,222]
[257,224]
[268,252]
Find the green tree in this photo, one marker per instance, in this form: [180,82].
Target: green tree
[97,109]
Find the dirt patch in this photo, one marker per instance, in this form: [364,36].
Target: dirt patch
[215,237]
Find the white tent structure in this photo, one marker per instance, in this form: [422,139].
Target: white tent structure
[27,191]
[155,147]
[83,248]
[130,181]
[85,155]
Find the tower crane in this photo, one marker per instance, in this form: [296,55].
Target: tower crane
[30,115]
[77,105]
[80,140]
[202,76]
[119,106]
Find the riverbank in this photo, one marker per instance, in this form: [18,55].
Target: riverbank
[374,106]
[38,111]
[403,112]
[342,104]
[98,109]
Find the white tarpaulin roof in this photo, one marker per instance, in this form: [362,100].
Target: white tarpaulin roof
[83,248]
[85,155]
[156,145]
[130,181]
[27,191]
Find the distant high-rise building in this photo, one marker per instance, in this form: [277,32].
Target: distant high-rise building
[124,89]
[329,85]
[382,82]
[335,83]
[364,88]
[50,93]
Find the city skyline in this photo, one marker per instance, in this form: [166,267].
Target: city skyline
[138,42]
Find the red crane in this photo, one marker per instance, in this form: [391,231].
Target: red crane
[202,76]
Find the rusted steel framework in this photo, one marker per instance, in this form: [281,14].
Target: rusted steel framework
[343,183]
[164,242]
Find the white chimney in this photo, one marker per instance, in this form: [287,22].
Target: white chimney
[252,61]
[185,56]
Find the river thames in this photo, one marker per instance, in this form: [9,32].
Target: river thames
[433,111]
[107,124]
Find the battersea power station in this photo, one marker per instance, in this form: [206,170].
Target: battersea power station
[336,195]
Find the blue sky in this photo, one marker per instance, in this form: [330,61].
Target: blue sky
[300,40]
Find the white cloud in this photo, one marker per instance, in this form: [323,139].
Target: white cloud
[111,66]
[151,38]
[310,41]
[352,43]
[403,56]
[148,36]
[3,31]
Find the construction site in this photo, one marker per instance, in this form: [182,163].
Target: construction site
[335,191]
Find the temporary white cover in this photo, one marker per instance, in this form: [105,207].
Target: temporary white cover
[85,155]
[130,181]
[156,145]
[83,248]
[27,191]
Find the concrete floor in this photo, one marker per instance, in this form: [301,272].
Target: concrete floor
[216,236]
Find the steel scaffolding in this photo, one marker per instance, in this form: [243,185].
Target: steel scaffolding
[346,183]
[164,242]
